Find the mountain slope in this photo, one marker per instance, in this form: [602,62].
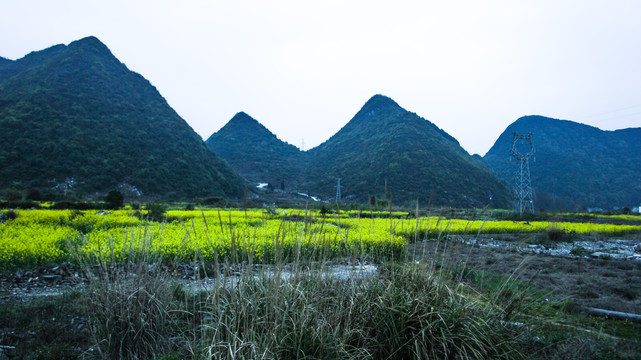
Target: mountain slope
[576,165]
[256,153]
[385,143]
[10,68]
[76,112]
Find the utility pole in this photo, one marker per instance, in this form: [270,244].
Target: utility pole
[522,150]
[338,189]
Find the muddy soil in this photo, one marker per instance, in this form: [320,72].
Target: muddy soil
[590,281]
[45,281]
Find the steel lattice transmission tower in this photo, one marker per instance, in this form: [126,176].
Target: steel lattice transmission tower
[338,189]
[522,150]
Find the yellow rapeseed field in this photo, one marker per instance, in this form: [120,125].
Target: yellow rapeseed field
[39,237]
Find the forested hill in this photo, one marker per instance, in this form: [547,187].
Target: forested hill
[576,166]
[387,151]
[75,115]
[256,153]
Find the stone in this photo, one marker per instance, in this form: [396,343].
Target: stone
[7,352]
[51,277]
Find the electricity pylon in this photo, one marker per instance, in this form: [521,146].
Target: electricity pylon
[523,200]
[338,189]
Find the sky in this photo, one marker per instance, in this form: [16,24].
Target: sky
[304,68]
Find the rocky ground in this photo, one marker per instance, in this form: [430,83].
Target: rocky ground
[45,281]
[597,273]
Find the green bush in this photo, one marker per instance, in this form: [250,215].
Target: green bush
[114,199]
[9,215]
[156,211]
[559,235]
[34,194]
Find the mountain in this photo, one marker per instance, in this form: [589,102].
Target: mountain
[256,153]
[10,68]
[386,149]
[76,116]
[576,166]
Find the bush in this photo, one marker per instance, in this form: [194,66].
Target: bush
[115,199]
[9,215]
[34,194]
[559,235]
[215,201]
[71,205]
[19,205]
[156,211]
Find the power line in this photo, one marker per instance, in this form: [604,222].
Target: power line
[610,115]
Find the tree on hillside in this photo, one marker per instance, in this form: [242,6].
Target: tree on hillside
[114,199]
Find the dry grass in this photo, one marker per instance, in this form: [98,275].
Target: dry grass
[406,311]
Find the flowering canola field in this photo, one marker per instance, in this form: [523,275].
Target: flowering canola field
[38,237]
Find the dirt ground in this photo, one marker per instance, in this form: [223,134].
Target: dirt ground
[612,284]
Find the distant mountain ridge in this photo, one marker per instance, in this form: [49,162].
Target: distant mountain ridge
[577,166]
[256,153]
[385,144]
[73,117]
[76,115]
[384,151]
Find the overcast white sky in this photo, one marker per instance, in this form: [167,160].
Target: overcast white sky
[304,68]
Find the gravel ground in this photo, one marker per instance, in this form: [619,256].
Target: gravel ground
[599,277]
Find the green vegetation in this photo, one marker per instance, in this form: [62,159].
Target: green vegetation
[48,328]
[391,153]
[573,163]
[114,199]
[38,237]
[384,151]
[31,238]
[273,293]
[257,154]
[75,120]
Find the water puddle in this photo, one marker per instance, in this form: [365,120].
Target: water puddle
[340,272]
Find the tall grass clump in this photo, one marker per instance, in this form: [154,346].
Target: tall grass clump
[404,312]
[130,313]
[131,307]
